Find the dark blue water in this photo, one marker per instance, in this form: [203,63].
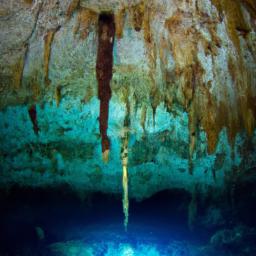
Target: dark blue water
[54,221]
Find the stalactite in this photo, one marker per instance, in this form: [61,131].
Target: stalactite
[33,117]
[18,73]
[143,117]
[85,19]
[104,65]
[119,21]
[34,86]
[152,55]
[48,39]
[192,134]
[124,157]
[146,25]
[137,13]
[20,65]
[38,7]
[235,20]
[125,197]
[154,114]
[72,7]
[212,114]
[58,95]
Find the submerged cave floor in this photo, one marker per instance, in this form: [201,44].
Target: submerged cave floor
[57,221]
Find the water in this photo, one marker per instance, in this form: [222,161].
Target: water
[58,222]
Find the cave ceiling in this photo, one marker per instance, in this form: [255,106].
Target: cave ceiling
[182,106]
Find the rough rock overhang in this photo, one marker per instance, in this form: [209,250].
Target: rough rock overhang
[184,73]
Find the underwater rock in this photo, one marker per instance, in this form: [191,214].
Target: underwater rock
[179,248]
[213,218]
[240,236]
[40,233]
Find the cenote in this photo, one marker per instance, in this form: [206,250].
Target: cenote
[127,128]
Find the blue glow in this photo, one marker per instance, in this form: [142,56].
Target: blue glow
[127,251]
[113,241]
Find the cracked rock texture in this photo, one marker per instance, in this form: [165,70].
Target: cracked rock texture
[184,72]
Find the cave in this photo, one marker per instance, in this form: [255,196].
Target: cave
[128,128]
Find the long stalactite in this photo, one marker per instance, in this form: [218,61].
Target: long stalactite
[48,39]
[125,197]
[104,65]
[124,157]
